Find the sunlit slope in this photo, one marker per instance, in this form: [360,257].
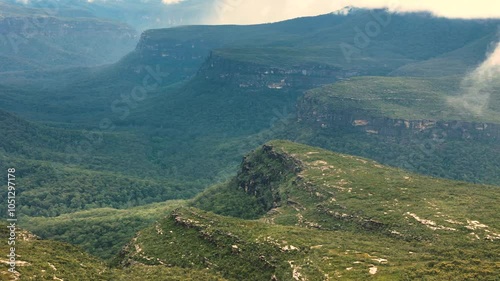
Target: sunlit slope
[48,260]
[327,215]
[101,232]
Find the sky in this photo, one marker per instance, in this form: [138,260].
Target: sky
[263,11]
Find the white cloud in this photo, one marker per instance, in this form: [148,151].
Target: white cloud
[478,86]
[494,59]
[168,2]
[262,11]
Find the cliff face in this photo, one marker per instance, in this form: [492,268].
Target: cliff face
[174,49]
[253,76]
[311,112]
[181,57]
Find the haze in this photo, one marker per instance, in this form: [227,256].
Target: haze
[263,11]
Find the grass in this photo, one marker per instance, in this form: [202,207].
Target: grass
[343,213]
[50,260]
[340,213]
[101,232]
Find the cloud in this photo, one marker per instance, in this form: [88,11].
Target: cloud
[494,60]
[262,11]
[477,87]
[168,2]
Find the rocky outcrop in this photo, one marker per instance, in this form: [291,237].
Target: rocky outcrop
[264,171]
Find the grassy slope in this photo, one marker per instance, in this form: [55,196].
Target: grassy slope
[102,231]
[341,214]
[49,260]
[335,215]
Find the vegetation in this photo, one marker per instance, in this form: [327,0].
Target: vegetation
[339,215]
[402,98]
[96,164]
[403,122]
[167,138]
[101,231]
[62,171]
[49,260]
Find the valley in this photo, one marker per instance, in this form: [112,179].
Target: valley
[211,152]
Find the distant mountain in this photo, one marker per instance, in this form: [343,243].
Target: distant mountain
[341,40]
[141,15]
[43,38]
[257,73]
[305,53]
[250,82]
[98,148]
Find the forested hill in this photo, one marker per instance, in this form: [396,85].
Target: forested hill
[100,151]
[250,82]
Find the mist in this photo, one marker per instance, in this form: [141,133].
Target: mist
[478,86]
[263,11]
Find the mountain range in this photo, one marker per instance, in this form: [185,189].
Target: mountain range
[387,167]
